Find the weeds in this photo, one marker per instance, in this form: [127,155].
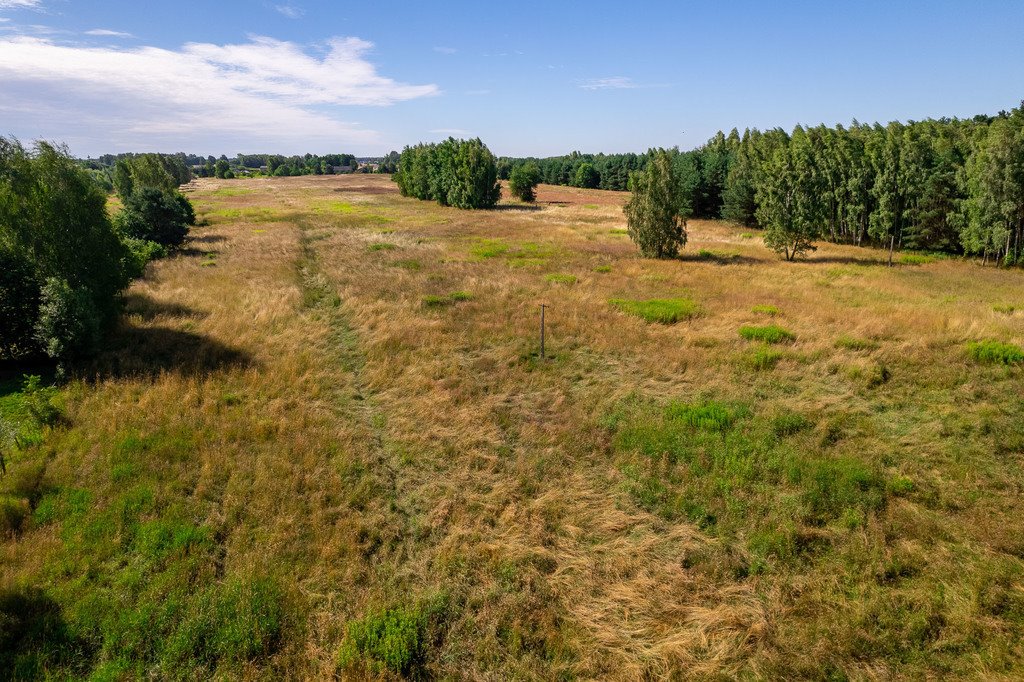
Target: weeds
[995,352]
[660,310]
[771,334]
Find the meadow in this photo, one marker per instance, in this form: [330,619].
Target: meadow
[322,443]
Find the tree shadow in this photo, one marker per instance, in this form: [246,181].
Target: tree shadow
[13,372]
[517,208]
[35,639]
[842,260]
[191,252]
[133,352]
[207,239]
[719,259]
[149,309]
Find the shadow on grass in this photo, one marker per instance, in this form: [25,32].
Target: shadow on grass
[150,351]
[191,252]
[718,259]
[149,309]
[843,260]
[517,208]
[35,638]
[208,239]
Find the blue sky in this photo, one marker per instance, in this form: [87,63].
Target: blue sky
[529,78]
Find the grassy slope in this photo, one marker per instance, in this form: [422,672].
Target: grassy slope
[307,449]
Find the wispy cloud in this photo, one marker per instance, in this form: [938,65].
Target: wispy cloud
[108,32]
[264,93]
[290,11]
[611,83]
[20,4]
[449,131]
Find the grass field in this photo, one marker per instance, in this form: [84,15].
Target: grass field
[322,443]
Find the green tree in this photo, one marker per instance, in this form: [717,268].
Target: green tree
[586,176]
[157,216]
[789,206]
[221,168]
[523,180]
[654,218]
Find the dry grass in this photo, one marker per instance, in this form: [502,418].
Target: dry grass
[365,450]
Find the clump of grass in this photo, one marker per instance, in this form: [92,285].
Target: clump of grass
[490,248]
[995,352]
[746,235]
[408,264]
[618,230]
[13,511]
[660,310]
[765,310]
[381,246]
[771,334]
[561,278]
[706,416]
[789,423]
[763,358]
[603,268]
[1004,309]
[435,301]
[852,343]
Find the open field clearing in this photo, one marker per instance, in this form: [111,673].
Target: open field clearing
[322,443]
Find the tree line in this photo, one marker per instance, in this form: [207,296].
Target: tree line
[63,260]
[459,173]
[949,185]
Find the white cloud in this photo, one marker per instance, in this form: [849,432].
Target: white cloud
[20,4]
[264,94]
[290,11]
[108,32]
[445,50]
[612,83]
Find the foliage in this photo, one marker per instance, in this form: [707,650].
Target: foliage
[156,215]
[64,263]
[459,173]
[392,639]
[661,310]
[656,222]
[161,171]
[523,181]
[995,352]
[586,176]
[140,253]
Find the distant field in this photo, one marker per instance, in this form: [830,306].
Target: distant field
[322,443]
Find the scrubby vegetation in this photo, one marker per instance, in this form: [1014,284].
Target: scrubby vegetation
[662,310]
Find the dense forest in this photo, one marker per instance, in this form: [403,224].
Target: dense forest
[945,185]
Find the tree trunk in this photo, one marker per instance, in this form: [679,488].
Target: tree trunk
[892,244]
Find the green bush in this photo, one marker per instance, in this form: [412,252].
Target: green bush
[460,173]
[655,216]
[392,639]
[523,181]
[156,215]
[661,310]
[771,333]
[140,253]
[69,324]
[995,352]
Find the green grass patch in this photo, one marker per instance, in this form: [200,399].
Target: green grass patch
[847,342]
[435,301]
[1004,309]
[603,268]
[915,259]
[995,352]
[763,358]
[746,235]
[381,246]
[390,640]
[771,334]
[766,310]
[660,310]
[408,264]
[561,278]
[250,215]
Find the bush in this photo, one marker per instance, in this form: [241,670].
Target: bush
[157,216]
[391,639]
[460,173]
[662,310]
[523,181]
[771,333]
[655,219]
[140,253]
[69,324]
[995,352]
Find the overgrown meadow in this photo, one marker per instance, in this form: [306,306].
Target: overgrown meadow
[322,443]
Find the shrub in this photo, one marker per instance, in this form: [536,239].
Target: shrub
[140,253]
[156,215]
[390,639]
[523,181]
[661,310]
[995,352]
[771,333]
[69,324]
[460,173]
[656,220]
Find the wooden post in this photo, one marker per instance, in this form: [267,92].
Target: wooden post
[542,307]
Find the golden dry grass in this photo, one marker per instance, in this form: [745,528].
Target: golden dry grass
[367,450]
